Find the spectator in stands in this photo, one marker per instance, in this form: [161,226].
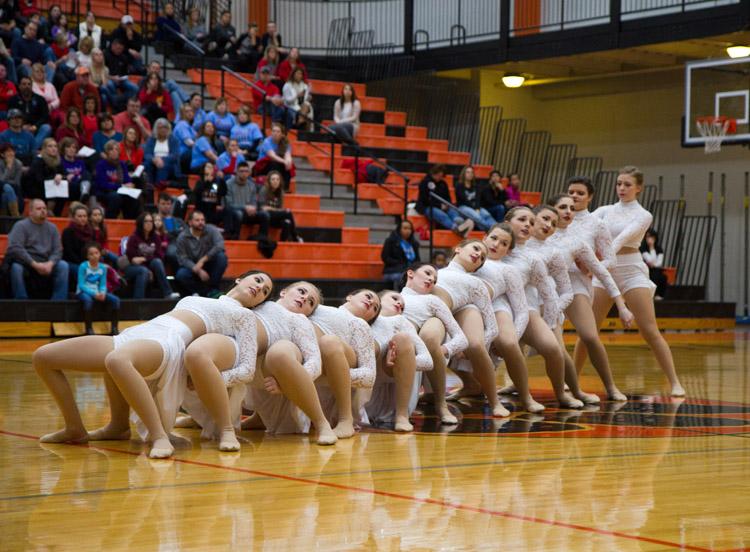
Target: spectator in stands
[209,194]
[167,25]
[271,201]
[53,16]
[161,156]
[83,55]
[8,28]
[116,84]
[7,91]
[439,258]
[92,287]
[11,171]
[199,115]
[178,95]
[35,255]
[34,110]
[89,28]
[89,119]
[223,37]
[20,139]
[468,199]
[65,61]
[185,135]
[105,133]
[131,154]
[247,133]
[653,256]
[62,28]
[145,254]
[27,50]
[99,234]
[173,226]
[195,27]
[513,191]
[75,92]
[132,117]
[443,215]
[228,161]
[47,90]
[368,170]
[111,175]
[493,197]
[274,102]
[161,235]
[292,62]
[271,59]
[298,101]
[250,47]
[275,154]
[74,168]
[272,37]
[222,119]
[75,238]
[242,205]
[48,168]
[400,250]
[133,42]
[73,126]
[206,147]
[346,113]
[200,252]
[155,99]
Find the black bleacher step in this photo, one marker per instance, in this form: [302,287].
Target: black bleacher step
[396,131]
[390,153]
[323,113]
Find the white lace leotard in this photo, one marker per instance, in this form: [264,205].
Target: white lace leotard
[627,223]
[385,327]
[356,333]
[535,276]
[594,232]
[575,249]
[420,308]
[557,267]
[505,280]
[281,323]
[467,290]
[227,316]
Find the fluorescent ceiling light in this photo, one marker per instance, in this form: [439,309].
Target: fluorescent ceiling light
[738,51]
[514,80]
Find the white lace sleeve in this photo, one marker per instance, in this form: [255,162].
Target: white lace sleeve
[587,258]
[603,246]
[541,280]
[480,298]
[246,334]
[516,296]
[363,344]
[634,230]
[457,341]
[303,336]
[424,359]
[558,269]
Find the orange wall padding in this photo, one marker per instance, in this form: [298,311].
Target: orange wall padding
[527,16]
[258,12]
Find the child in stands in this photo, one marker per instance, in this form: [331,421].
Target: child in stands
[92,286]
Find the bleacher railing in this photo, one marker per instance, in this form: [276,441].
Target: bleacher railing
[196,49]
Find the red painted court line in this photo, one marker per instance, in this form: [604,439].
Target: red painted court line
[431,501]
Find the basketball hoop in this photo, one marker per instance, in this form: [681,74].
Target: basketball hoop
[714,130]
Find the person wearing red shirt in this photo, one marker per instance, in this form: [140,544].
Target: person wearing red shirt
[132,117]
[155,99]
[75,92]
[287,67]
[7,89]
[274,100]
[130,149]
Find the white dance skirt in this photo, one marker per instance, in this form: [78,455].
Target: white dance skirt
[381,408]
[630,273]
[169,382]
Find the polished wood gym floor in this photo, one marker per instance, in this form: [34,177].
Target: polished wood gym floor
[651,474]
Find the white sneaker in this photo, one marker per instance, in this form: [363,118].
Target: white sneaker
[172,296]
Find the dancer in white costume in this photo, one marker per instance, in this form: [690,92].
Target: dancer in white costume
[539,286]
[579,312]
[469,300]
[438,329]
[143,369]
[402,357]
[347,350]
[627,223]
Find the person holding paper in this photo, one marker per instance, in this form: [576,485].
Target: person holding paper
[35,255]
[111,175]
[46,179]
[74,168]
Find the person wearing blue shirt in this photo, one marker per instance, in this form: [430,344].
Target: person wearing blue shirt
[199,115]
[275,154]
[185,135]
[92,286]
[21,140]
[206,147]
[222,119]
[247,133]
[105,133]
[228,161]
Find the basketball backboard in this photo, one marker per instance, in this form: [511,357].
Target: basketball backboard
[717,88]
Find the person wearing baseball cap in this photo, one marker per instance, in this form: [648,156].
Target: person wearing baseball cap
[133,42]
[15,135]
[74,93]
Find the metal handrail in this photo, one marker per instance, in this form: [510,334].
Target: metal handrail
[201,52]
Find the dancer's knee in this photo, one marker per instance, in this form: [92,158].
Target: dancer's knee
[117,363]
[41,358]
[403,343]
[330,346]
[280,354]
[195,360]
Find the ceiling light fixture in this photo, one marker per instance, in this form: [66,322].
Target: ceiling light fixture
[513,80]
[738,51]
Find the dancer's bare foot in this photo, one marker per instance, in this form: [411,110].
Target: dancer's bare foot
[500,411]
[110,433]
[616,395]
[508,390]
[403,425]
[344,429]
[566,401]
[185,422]
[530,405]
[66,436]
[253,422]
[228,441]
[587,398]
[161,448]
[677,390]
[446,417]
[326,435]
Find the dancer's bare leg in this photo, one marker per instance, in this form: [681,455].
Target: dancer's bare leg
[118,428]
[81,354]
[506,344]
[571,377]
[205,359]
[284,363]
[338,359]
[581,316]
[471,323]
[128,366]
[600,306]
[539,336]
[403,372]
[433,333]
[641,303]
